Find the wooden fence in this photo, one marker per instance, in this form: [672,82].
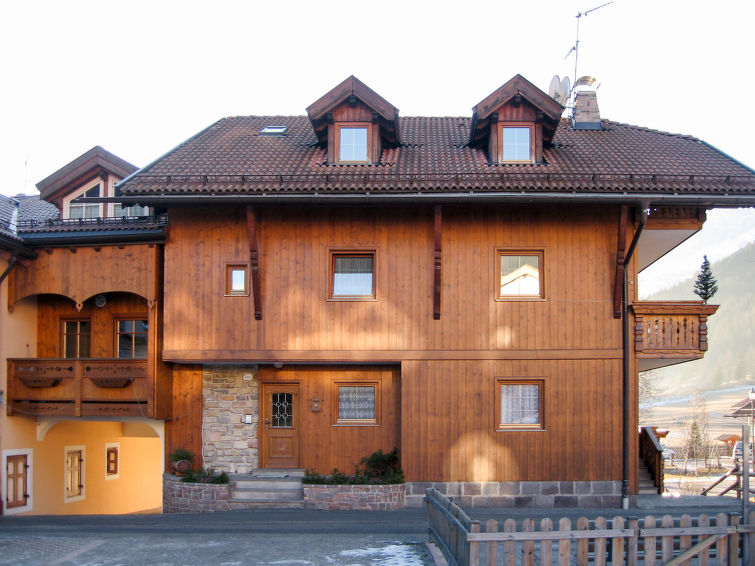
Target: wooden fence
[704,541]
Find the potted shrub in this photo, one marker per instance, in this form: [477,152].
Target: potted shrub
[183,460]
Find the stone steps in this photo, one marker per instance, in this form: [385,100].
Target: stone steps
[267,488]
[646,485]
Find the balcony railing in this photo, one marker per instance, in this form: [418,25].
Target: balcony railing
[671,329]
[80,388]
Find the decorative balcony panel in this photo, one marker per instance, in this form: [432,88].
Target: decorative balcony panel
[80,388]
[82,272]
[667,332]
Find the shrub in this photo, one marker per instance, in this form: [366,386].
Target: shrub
[205,475]
[181,454]
[378,468]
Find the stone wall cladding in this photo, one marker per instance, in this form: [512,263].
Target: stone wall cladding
[230,444]
[180,497]
[544,494]
[355,497]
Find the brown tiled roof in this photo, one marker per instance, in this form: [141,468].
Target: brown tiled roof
[232,158]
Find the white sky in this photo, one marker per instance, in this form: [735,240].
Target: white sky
[139,77]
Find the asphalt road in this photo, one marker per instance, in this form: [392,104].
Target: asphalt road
[234,538]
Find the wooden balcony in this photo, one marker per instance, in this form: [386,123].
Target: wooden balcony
[669,332]
[80,388]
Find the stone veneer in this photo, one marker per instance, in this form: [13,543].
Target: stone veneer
[355,497]
[230,444]
[180,497]
[546,494]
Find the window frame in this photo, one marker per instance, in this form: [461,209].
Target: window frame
[117,319]
[112,448]
[528,125]
[500,382]
[338,253]
[352,125]
[230,267]
[336,418]
[29,480]
[64,335]
[499,253]
[81,494]
[102,185]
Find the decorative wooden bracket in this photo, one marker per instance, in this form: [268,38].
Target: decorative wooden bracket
[254,258]
[437,263]
[618,285]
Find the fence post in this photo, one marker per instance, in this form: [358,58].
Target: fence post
[600,543]
[667,542]
[582,544]
[617,544]
[564,544]
[473,547]
[750,538]
[733,541]
[703,559]
[528,546]
[721,547]
[634,524]
[685,542]
[491,547]
[648,543]
[509,547]
[546,546]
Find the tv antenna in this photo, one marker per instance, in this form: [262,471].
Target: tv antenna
[575,47]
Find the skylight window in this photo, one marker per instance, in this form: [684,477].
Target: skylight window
[273,130]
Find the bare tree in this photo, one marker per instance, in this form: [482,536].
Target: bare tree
[651,390]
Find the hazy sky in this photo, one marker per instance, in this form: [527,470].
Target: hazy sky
[139,77]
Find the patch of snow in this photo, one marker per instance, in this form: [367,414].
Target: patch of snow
[394,554]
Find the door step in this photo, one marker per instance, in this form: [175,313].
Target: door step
[267,488]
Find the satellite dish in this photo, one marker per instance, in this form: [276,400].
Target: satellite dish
[566,87]
[556,90]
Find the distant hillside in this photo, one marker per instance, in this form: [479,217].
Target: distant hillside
[730,359]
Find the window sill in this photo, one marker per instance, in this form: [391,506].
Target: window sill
[520,429]
[358,298]
[356,423]
[521,298]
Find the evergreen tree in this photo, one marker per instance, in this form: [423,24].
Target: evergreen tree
[705,285]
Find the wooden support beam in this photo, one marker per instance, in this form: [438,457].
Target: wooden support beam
[620,254]
[254,259]
[437,263]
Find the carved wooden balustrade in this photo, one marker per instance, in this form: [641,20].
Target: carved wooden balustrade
[671,329]
[80,388]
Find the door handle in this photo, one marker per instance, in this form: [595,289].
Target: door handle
[267,424]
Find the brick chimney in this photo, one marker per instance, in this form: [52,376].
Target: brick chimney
[586,113]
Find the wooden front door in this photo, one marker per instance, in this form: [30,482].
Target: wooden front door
[280,425]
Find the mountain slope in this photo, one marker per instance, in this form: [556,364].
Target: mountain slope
[730,359]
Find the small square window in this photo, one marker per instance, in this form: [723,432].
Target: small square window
[353,275]
[519,275]
[353,144]
[516,144]
[236,280]
[357,403]
[519,404]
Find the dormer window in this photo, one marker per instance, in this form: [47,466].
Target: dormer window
[353,143]
[516,143]
[78,209]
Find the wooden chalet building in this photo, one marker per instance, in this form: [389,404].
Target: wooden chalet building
[319,287]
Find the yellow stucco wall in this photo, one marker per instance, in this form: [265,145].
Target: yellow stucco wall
[138,487]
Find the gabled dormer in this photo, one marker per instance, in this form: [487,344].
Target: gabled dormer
[354,123]
[91,175]
[515,122]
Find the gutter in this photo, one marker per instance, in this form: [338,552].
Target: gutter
[11,263]
[94,237]
[438,197]
[625,381]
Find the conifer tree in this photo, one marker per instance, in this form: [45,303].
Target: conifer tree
[705,285]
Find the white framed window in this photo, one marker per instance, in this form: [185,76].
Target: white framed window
[121,210]
[519,404]
[74,473]
[236,280]
[353,142]
[78,209]
[112,460]
[17,489]
[516,142]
